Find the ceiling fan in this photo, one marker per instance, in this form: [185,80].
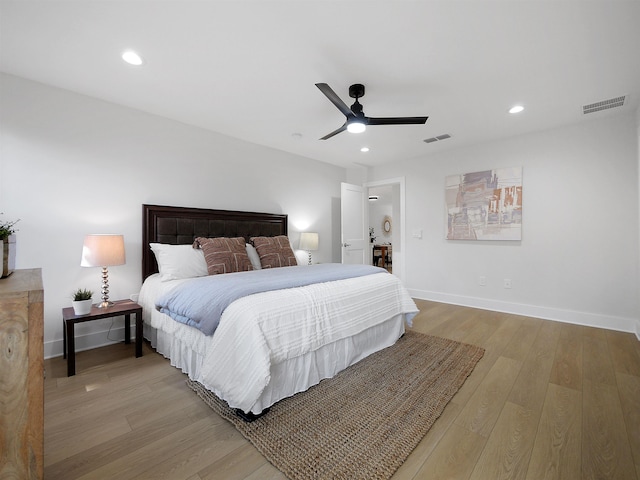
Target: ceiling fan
[356,120]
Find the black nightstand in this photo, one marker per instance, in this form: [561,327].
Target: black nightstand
[119,307]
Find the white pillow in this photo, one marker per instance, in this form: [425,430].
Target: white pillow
[254,258]
[302,256]
[179,261]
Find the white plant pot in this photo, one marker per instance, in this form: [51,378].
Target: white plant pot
[82,307]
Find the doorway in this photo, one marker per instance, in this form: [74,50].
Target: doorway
[386,220]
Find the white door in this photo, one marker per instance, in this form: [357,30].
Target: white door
[355,237]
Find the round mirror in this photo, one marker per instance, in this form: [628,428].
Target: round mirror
[386,224]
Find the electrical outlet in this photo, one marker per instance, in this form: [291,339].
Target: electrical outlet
[482,281]
[507,283]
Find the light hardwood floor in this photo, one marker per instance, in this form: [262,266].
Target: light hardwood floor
[547,401]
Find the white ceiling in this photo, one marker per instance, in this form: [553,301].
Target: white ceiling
[248,68]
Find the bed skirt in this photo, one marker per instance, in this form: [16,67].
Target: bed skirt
[293,375]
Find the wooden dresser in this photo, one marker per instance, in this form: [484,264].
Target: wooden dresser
[21,375]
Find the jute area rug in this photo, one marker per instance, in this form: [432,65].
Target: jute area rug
[363,423]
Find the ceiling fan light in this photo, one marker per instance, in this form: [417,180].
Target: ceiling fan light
[356,127]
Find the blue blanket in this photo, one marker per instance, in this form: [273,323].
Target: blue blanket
[200,302]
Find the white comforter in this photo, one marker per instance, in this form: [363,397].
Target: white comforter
[263,329]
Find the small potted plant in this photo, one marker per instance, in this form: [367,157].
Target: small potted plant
[8,240]
[82,301]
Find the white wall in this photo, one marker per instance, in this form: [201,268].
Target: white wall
[72,165]
[578,258]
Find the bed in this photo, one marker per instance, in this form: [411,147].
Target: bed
[267,345]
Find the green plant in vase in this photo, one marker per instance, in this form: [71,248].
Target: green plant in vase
[82,301]
[7,229]
[82,294]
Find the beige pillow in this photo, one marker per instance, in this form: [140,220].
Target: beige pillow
[274,251]
[224,255]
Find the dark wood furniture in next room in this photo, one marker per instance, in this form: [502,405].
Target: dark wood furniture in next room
[120,307]
[382,255]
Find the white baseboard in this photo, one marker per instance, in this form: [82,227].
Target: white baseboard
[91,340]
[568,316]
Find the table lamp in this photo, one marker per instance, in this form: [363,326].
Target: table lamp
[308,242]
[103,251]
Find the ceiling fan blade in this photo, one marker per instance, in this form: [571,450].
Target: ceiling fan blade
[335,132]
[335,99]
[397,121]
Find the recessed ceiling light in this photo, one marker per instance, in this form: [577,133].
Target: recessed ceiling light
[516,109]
[364,149]
[132,58]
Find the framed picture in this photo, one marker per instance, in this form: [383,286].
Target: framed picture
[484,205]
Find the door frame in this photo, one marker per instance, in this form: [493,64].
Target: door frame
[398,256]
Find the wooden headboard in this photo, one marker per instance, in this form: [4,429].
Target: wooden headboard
[181,225]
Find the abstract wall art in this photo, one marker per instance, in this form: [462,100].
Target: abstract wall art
[484,205]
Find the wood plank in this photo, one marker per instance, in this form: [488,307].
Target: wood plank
[481,412]
[506,455]
[415,461]
[267,472]
[98,455]
[557,450]
[596,360]
[105,403]
[218,440]
[606,452]
[454,457]
[530,387]
[625,352]
[197,451]
[629,390]
[567,365]
[503,336]
[72,438]
[236,465]
[520,345]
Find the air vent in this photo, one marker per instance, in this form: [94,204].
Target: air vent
[437,138]
[604,105]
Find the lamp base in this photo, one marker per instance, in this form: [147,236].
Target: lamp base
[105,290]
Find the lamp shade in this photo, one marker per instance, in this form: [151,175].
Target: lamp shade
[103,251]
[308,241]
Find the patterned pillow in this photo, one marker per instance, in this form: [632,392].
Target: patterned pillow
[224,255]
[274,251]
